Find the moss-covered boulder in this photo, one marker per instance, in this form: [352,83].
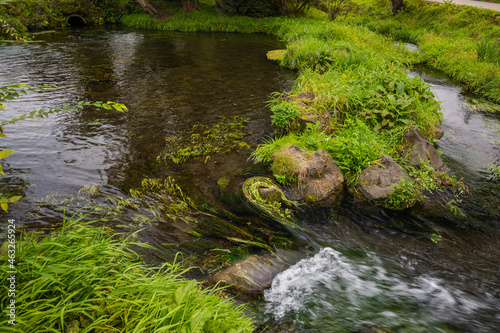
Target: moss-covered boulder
[318,179]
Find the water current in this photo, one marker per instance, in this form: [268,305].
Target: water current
[368,269]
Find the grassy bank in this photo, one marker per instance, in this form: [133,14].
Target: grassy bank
[81,278]
[460,41]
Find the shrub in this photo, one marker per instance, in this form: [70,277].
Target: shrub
[252,8]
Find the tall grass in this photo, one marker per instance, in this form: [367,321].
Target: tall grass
[82,279]
[489,51]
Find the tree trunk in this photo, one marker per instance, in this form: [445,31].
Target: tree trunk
[396,6]
[148,8]
[187,6]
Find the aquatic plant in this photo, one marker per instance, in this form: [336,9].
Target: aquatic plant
[275,207]
[206,140]
[82,278]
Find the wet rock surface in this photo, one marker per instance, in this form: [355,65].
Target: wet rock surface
[255,273]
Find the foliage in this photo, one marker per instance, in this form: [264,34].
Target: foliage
[495,169]
[84,278]
[11,92]
[489,51]
[206,140]
[450,38]
[33,15]
[335,7]
[353,148]
[252,8]
[284,113]
[294,7]
[8,32]
[425,179]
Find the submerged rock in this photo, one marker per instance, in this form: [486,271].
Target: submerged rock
[268,199]
[376,183]
[256,273]
[319,179]
[421,150]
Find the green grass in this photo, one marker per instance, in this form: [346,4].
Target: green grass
[460,41]
[81,278]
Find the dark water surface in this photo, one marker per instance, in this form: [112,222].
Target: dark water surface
[373,268]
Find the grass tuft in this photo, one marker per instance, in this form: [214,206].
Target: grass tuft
[84,277]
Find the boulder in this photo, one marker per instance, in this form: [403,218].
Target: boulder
[255,273]
[319,179]
[421,150]
[376,183]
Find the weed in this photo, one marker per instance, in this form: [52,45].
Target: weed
[489,51]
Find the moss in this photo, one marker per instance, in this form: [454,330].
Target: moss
[223,183]
[271,208]
[276,55]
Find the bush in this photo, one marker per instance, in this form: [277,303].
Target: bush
[252,8]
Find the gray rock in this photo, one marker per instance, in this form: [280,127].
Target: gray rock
[319,178]
[421,150]
[376,183]
[255,273]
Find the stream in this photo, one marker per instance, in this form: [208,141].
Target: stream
[368,270]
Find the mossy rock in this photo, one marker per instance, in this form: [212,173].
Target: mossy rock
[274,205]
[276,55]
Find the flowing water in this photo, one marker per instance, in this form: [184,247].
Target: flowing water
[371,268]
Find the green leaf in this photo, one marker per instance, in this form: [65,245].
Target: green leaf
[1,170]
[14,199]
[4,206]
[6,153]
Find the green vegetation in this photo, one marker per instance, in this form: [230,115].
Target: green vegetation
[460,41]
[33,15]
[426,180]
[207,140]
[82,278]
[275,206]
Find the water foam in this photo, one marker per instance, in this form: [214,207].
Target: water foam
[335,292]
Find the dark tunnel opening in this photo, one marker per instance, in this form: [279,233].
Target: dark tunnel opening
[75,20]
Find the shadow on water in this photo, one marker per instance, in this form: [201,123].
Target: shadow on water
[374,269]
